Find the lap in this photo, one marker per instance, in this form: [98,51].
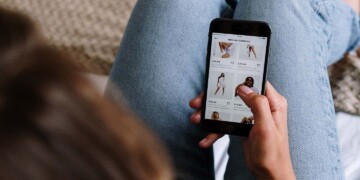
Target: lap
[161,63]
[160,67]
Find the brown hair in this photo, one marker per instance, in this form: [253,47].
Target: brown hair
[213,115]
[54,125]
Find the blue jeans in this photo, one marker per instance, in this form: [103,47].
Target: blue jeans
[160,66]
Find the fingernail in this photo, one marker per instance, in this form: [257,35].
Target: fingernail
[203,141]
[192,116]
[245,90]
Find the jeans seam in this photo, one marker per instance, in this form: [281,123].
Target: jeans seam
[323,9]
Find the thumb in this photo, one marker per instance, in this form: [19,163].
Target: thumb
[258,104]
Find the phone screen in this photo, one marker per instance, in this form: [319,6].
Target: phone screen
[235,60]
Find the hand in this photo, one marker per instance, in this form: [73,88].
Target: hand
[266,151]
[195,118]
[267,148]
[355,4]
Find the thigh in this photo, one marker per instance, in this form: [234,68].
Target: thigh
[345,25]
[160,66]
[300,49]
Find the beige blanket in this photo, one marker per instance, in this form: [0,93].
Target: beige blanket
[91,31]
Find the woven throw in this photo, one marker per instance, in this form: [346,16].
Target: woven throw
[345,83]
[89,30]
[92,29]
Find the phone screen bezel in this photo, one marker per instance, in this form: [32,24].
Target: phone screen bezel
[236,27]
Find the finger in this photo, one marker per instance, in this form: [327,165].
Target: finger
[197,102]
[258,104]
[209,140]
[196,117]
[276,100]
[278,106]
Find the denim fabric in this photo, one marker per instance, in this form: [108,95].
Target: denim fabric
[160,66]
[307,36]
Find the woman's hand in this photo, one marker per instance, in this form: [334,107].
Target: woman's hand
[267,148]
[195,118]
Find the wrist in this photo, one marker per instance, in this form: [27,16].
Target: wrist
[278,173]
[283,175]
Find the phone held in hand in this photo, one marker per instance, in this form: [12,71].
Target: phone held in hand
[237,55]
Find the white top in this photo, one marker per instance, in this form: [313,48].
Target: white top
[221,82]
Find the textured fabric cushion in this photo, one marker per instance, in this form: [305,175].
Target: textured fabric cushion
[91,31]
[345,83]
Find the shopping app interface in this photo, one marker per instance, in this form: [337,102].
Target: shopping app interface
[235,61]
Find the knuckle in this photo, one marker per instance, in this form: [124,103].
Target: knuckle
[285,102]
[261,100]
[282,103]
[258,103]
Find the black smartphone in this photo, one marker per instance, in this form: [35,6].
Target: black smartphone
[237,55]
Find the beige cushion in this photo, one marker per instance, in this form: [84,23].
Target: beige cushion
[345,83]
[90,30]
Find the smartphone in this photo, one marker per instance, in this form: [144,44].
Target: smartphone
[237,55]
